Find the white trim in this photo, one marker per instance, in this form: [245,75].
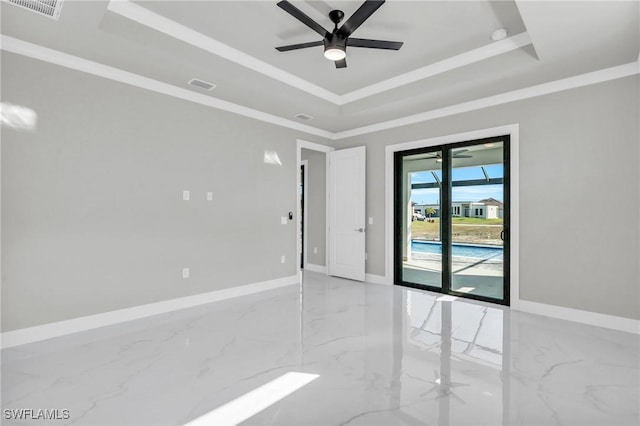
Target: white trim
[305,212]
[503,98]
[327,233]
[34,51]
[178,31]
[47,331]
[316,268]
[449,64]
[585,317]
[376,279]
[514,231]
[20,47]
[321,148]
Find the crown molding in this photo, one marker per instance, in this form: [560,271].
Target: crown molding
[45,54]
[581,80]
[178,31]
[449,64]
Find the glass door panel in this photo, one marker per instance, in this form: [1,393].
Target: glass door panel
[452,219]
[421,243]
[476,220]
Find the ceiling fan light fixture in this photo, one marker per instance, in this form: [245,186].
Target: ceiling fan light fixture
[439,160]
[334,53]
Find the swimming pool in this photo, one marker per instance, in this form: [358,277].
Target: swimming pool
[466,250]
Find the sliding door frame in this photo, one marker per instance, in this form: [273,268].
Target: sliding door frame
[445,216]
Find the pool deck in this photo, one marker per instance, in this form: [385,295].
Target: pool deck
[470,274]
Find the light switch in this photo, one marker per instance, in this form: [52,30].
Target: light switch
[186,195]
[370,221]
[283,220]
[209,196]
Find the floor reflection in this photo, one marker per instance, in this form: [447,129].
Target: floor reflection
[452,353]
[383,355]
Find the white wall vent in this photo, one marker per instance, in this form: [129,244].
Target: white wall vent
[303,117]
[202,84]
[50,8]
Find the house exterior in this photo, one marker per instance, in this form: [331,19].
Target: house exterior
[489,208]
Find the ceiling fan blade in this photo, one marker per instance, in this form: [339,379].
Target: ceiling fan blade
[299,46]
[342,63]
[374,44]
[300,16]
[359,16]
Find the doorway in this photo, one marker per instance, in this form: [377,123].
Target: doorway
[451,218]
[303,210]
[312,234]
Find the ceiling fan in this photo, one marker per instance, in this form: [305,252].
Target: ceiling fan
[454,154]
[335,42]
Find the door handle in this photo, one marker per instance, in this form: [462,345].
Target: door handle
[359,230]
[502,235]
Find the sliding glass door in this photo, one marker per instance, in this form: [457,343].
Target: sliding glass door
[451,219]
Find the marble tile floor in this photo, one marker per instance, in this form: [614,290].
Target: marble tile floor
[384,355]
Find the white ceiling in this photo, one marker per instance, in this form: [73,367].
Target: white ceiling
[448,56]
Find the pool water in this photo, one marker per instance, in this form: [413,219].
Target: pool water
[466,250]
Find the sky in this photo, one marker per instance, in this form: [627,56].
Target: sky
[460,193]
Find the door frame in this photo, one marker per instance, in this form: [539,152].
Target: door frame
[324,149]
[305,204]
[513,131]
[446,214]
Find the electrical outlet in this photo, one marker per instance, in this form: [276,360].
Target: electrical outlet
[282,259]
[209,196]
[186,195]
[185,272]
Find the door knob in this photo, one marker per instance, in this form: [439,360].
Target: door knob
[360,230]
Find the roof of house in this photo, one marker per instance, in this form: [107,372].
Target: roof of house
[491,202]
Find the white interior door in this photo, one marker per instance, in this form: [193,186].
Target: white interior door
[347,213]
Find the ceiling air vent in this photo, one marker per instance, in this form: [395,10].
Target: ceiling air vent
[202,84]
[303,117]
[50,8]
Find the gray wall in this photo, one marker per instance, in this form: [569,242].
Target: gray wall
[315,192]
[577,148]
[92,212]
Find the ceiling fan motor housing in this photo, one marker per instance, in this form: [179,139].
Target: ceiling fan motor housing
[334,41]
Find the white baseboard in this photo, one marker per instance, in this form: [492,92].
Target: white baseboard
[47,331]
[592,318]
[376,279]
[316,268]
